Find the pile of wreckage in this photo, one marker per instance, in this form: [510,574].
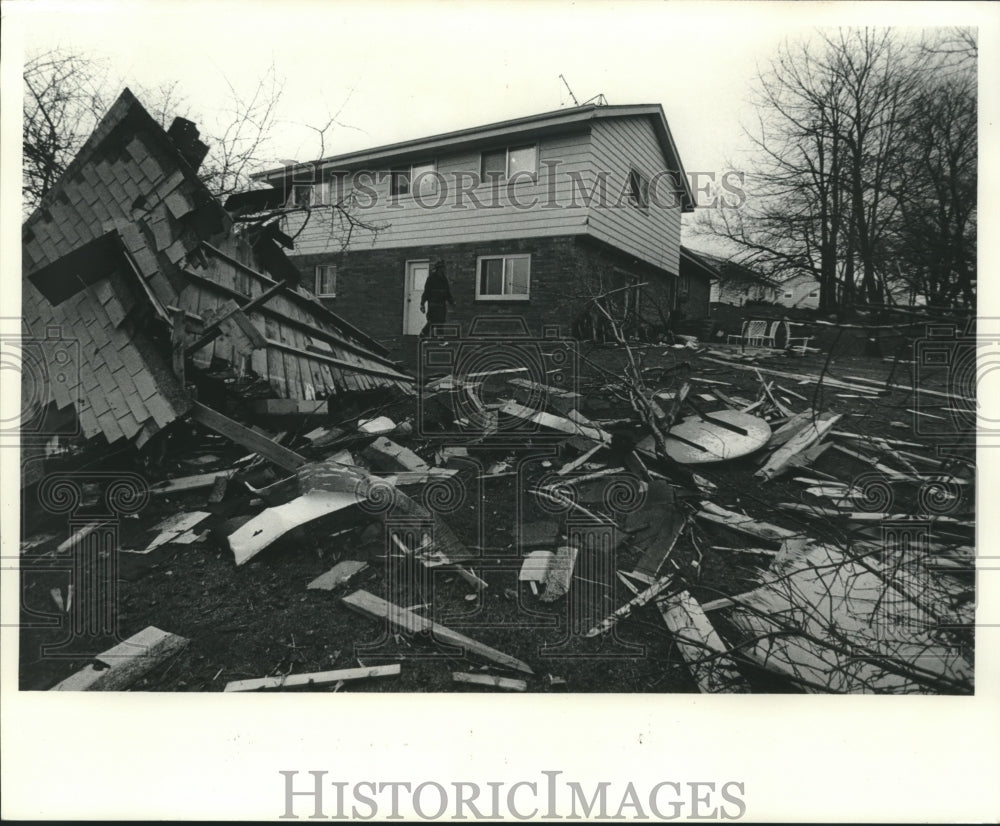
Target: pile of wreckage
[131,256]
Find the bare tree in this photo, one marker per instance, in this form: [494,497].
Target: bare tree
[66,95]
[64,98]
[841,151]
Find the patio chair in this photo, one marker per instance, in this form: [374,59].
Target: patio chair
[795,338]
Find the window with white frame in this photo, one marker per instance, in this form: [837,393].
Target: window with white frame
[420,179]
[508,162]
[326,280]
[503,277]
[789,293]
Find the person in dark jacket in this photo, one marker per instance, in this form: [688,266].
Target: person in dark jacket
[436,297]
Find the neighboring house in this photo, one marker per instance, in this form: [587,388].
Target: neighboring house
[800,291]
[694,288]
[124,263]
[737,284]
[533,217]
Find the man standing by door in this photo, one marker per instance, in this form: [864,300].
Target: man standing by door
[436,296]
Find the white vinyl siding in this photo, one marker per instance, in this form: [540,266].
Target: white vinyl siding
[620,146]
[440,219]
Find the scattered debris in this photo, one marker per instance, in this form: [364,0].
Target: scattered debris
[316,680]
[506,683]
[377,608]
[559,573]
[121,666]
[337,575]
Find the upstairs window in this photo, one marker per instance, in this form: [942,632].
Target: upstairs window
[326,281]
[498,164]
[504,277]
[420,179]
[638,189]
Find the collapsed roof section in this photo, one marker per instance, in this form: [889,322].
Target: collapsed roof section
[128,242]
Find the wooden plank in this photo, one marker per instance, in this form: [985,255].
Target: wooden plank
[711,512]
[700,645]
[805,438]
[559,575]
[506,683]
[126,662]
[270,525]
[337,575]
[316,679]
[186,484]
[377,608]
[790,428]
[640,599]
[281,456]
[385,455]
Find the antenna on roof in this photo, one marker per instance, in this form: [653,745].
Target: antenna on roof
[566,83]
[597,100]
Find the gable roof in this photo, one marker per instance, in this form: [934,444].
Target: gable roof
[732,271]
[699,263]
[524,128]
[129,238]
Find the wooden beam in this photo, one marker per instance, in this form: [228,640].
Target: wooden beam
[215,328]
[126,662]
[377,608]
[317,679]
[805,438]
[507,683]
[641,598]
[251,440]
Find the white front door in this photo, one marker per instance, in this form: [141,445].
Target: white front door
[416,275]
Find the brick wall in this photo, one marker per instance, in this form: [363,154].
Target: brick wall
[565,272]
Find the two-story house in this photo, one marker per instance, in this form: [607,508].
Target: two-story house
[535,217]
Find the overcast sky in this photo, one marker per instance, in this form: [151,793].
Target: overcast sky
[395,71]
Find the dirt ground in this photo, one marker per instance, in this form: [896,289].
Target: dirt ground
[259,619]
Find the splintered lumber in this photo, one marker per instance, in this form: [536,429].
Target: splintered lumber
[188,483]
[562,400]
[641,598]
[377,608]
[291,407]
[126,662]
[711,512]
[842,384]
[251,440]
[552,422]
[83,533]
[378,425]
[508,683]
[809,455]
[707,657]
[805,438]
[338,574]
[579,460]
[790,428]
[843,624]
[319,678]
[273,523]
[385,455]
[560,573]
[176,528]
[535,566]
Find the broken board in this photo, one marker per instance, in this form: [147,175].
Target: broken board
[273,523]
[122,665]
[377,608]
[695,440]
